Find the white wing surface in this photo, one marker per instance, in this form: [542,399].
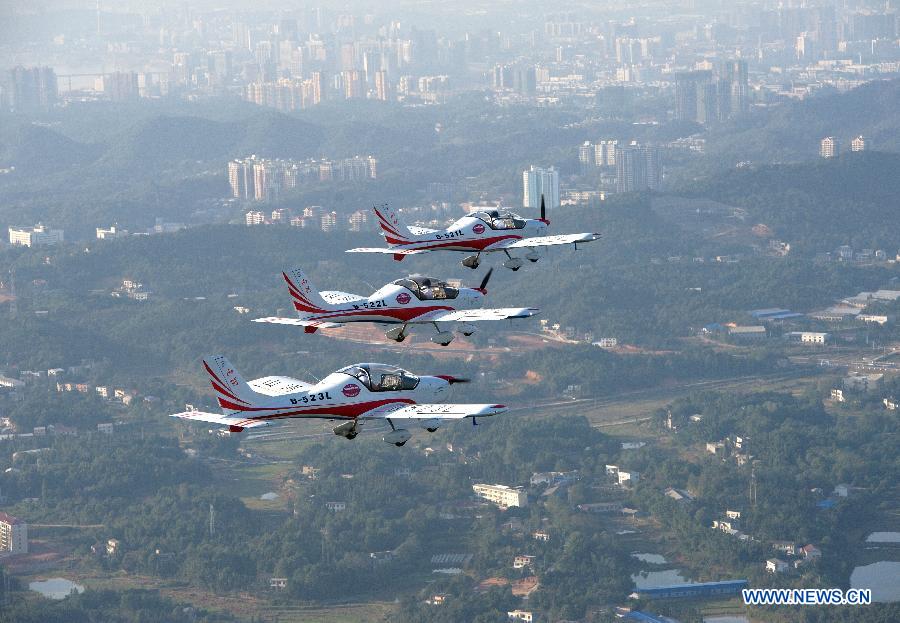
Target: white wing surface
[475,315]
[433,412]
[543,241]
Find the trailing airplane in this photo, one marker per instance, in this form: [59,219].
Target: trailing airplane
[408,301]
[356,394]
[479,232]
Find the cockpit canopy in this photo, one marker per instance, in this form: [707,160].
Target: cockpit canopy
[378,377]
[500,220]
[428,289]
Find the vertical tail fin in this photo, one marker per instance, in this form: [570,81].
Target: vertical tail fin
[232,391]
[304,295]
[395,230]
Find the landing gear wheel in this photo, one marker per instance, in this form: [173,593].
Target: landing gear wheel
[467,334]
[533,260]
[400,444]
[515,269]
[351,435]
[431,430]
[400,338]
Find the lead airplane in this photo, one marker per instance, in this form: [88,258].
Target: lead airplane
[404,302]
[356,394]
[480,232]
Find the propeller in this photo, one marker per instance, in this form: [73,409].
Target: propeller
[487,277]
[543,218]
[453,379]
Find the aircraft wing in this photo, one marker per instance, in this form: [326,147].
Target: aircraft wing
[309,326]
[222,420]
[394,252]
[475,315]
[433,411]
[543,241]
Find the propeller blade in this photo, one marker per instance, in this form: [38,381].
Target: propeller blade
[453,379]
[484,282]
[543,209]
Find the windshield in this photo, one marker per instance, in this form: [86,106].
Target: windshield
[379,377]
[428,289]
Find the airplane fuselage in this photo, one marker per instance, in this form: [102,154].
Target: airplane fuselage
[391,304]
[341,395]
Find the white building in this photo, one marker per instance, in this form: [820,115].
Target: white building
[255,217]
[108,233]
[13,534]
[776,565]
[501,495]
[812,337]
[37,236]
[520,615]
[829,147]
[536,182]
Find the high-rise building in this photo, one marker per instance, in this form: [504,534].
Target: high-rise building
[696,97]
[358,220]
[858,144]
[605,153]
[240,177]
[381,85]
[829,148]
[586,156]
[329,221]
[734,73]
[30,88]
[120,86]
[37,236]
[637,168]
[13,534]
[537,181]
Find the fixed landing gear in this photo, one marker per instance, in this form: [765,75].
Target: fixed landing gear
[472,261]
[398,334]
[532,256]
[348,430]
[443,337]
[513,263]
[397,436]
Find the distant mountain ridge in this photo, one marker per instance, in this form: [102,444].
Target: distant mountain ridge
[792,132]
[162,141]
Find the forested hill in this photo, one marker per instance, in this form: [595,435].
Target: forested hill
[792,132]
[821,204]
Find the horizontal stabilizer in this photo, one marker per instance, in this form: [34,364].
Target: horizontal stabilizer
[310,325]
[234,424]
[387,251]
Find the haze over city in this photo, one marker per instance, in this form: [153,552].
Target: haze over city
[475,311]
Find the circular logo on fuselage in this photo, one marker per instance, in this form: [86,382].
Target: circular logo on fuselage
[403,298]
[478,229]
[350,390]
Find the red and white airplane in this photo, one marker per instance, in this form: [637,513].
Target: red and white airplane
[479,232]
[407,301]
[356,394]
